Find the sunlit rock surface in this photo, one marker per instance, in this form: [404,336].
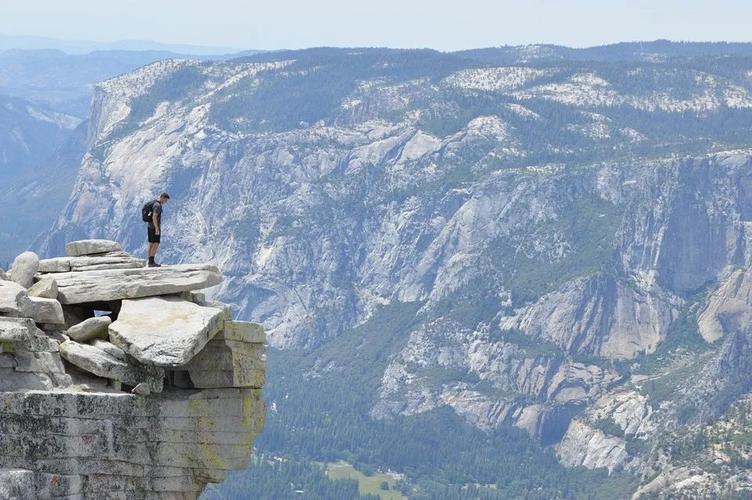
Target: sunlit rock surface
[86,419]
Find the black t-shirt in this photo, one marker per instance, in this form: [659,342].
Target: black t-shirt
[156,207]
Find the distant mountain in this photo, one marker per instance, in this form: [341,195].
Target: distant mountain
[86,46]
[624,51]
[29,134]
[45,95]
[65,82]
[529,276]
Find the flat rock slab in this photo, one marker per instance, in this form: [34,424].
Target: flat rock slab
[244,331]
[164,331]
[117,284]
[91,247]
[107,361]
[88,263]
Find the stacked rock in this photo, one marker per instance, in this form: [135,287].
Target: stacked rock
[120,379]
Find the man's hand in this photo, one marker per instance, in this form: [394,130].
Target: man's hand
[156,231]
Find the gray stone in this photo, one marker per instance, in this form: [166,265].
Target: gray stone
[117,284]
[90,329]
[45,288]
[91,247]
[110,349]
[11,296]
[42,310]
[29,360]
[24,268]
[729,307]
[4,275]
[117,445]
[585,446]
[21,333]
[164,331]
[89,263]
[245,332]
[15,301]
[225,362]
[102,363]
[17,483]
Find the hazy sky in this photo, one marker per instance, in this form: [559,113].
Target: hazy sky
[440,24]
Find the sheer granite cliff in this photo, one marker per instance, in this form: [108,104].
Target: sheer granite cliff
[119,381]
[570,240]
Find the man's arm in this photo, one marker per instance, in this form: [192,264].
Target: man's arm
[155,221]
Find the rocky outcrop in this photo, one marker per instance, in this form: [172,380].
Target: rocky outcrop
[729,307]
[165,331]
[598,315]
[82,418]
[79,287]
[114,260]
[107,361]
[601,450]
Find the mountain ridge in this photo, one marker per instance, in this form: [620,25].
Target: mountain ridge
[544,236]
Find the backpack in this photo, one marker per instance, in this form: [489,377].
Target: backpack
[147,211]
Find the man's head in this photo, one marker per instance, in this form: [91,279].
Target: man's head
[163,198]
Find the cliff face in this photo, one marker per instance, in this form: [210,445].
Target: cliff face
[121,380]
[557,228]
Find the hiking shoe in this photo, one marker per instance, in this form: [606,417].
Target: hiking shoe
[154,265]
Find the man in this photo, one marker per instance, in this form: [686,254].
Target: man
[155,228]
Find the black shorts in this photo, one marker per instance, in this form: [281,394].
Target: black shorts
[153,237]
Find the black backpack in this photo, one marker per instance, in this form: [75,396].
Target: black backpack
[147,211]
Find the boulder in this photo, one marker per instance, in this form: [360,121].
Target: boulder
[11,296]
[89,263]
[48,311]
[4,275]
[24,268]
[104,362]
[117,284]
[164,331]
[15,301]
[29,359]
[45,288]
[90,329]
[91,247]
